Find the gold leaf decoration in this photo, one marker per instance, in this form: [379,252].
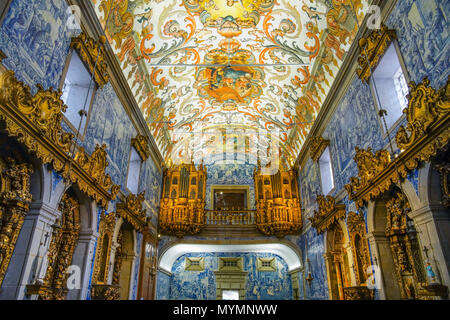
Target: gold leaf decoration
[372,48]
[35,121]
[329,212]
[93,55]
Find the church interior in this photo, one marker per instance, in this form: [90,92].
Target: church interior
[224,150]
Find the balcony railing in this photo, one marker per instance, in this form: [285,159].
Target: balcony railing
[230,217]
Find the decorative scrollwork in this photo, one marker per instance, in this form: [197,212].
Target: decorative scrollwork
[105,292]
[329,212]
[14,200]
[141,144]
[428,117]
[369,166]
[372,48]
[95,165]
[358,293]
[35,121]
[318,145]
[183,201]
[131,210]
[43,110]
[409,267]
[94,56]
[278,209]
[62,246]
[426,107]
[357,230]
[444,169]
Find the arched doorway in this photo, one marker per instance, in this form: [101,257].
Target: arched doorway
[338,262]
[123,261]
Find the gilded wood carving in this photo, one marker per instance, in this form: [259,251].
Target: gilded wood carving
[318,145]
[64,239]
[409,267]
[372,49]
[361,257]
[14,201]
[141,144]
[131,210]
[278,209]
[35,121]
[426,133]
[100,290]
[329,213]
[183,202]
[93,55]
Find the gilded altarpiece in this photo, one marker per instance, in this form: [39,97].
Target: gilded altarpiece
[278,209]
[336,258]
[100,289]
[361,258]
[183,201]
[64,239]
[15,198]
[405,247]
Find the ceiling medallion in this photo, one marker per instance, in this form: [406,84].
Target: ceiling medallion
[245,13]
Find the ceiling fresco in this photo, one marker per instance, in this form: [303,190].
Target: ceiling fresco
[230,77]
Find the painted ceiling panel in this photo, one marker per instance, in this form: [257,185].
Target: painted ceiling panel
[230,76]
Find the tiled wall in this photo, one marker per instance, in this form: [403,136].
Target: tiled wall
[422,30]
[230,174]
[200,285]
[36,40]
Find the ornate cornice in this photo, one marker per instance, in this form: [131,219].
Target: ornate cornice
[140,143]
[35,121]
[426,108]
[131,210]
[428,117]
[93,55]
[318,145]
[370,165]
[355,222]
[329,212]
[371,49]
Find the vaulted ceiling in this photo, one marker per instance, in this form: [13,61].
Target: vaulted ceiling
[219,77]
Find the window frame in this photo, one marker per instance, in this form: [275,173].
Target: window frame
[128,169]
[332,170]
[81,135]
[375,96]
